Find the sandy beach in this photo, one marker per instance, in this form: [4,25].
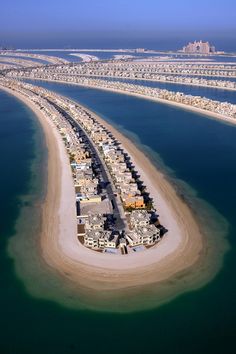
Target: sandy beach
[97,276]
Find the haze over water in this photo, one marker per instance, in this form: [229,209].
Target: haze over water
[120,24]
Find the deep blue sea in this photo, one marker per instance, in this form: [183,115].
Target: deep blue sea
[197,151]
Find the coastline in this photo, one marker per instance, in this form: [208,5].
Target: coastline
[202,112]
[165,81]
[178,252]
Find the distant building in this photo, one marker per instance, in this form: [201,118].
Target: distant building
[199,47]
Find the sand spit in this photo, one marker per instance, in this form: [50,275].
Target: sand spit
[87,279]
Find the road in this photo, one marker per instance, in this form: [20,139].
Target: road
[118,210]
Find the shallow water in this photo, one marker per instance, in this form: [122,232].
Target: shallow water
[198,151]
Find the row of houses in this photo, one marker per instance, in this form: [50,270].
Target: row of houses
[116,160]
[121,172]
[141,232]
[226,109]
[94,230]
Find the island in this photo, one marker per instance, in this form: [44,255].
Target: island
[107,208]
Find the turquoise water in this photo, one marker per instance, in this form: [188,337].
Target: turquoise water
[198,151]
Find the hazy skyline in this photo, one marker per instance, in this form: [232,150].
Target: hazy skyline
[77,23]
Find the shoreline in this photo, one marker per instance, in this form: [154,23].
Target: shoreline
[89,272]
[163,81]
[202,112]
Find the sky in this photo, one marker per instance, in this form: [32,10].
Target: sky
[116,23]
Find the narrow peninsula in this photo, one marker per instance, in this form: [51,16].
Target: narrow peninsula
[110,221]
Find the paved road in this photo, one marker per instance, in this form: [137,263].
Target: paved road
[118,210]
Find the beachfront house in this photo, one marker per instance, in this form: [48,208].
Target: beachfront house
[132,202]
[147,236]
[139,218]
[98,239]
